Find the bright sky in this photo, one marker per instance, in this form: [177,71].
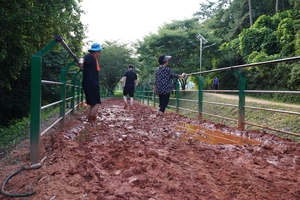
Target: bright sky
[130,20]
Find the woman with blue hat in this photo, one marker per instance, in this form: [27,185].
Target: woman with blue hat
[90,81]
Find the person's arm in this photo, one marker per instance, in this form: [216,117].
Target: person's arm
[123,82]
[154,90]
[135,83]
[173,75]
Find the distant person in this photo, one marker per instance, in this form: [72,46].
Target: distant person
[129,84]
[163,82]
[90,81]
[216,83]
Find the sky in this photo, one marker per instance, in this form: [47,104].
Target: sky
[131,20]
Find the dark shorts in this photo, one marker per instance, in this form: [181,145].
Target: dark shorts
[92,94]
[128,89]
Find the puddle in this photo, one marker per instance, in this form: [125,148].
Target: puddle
[212,136]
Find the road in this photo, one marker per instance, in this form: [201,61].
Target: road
[250,99]
[135,155]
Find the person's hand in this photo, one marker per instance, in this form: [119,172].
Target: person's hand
[80,64]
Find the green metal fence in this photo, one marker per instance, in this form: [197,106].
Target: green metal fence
[146,92]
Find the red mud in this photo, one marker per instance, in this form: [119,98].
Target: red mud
[134,155]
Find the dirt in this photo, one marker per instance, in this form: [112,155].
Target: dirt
[135,155]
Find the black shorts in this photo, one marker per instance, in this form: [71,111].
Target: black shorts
[128,89]
[92,94]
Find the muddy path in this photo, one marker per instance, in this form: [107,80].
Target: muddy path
[134,155]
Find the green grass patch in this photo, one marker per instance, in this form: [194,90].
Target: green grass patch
[19,130]
[118,94]
[12,135]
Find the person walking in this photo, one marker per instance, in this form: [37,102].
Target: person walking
[216,83]
[90,81]
[129,84]
[163,82]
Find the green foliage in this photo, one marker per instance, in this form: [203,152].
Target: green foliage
[294,81]
[177,39]
[12,135]
[260,40]
[114,61]
[19,130]
[26,27]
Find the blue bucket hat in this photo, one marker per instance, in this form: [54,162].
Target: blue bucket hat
[96,47]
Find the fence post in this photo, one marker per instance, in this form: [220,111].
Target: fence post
[148,92]
[35,108]
[80,89]
[177,95]
[35,102]
[136,93]
[154,97]
[63,79]
[242,86]
[142,93]
[73,94]
[200,96]
[74,79]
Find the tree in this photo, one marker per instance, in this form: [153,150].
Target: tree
[174,39]
[26,27]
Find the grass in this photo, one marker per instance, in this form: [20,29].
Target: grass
[118,94]
[19,130]
[271,119]
[13,135]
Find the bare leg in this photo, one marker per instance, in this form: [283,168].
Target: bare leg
[125,100]
[131,101]
[94,110]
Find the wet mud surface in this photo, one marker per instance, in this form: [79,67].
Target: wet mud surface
[134,155]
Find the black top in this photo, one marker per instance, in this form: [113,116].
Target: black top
[130,76]
[90,73]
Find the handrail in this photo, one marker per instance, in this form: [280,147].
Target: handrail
[241,97]
[247,65]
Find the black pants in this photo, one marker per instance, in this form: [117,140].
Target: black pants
[163,101]
[216,86]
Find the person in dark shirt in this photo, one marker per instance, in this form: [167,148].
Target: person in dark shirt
[129,84]
[163,82]
[90,81]
[216,83]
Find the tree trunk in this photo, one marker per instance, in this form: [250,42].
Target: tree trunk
[250,12]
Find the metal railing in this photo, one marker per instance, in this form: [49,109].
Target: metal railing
[146,92]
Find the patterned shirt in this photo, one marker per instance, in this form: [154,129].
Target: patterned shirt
[163,79]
